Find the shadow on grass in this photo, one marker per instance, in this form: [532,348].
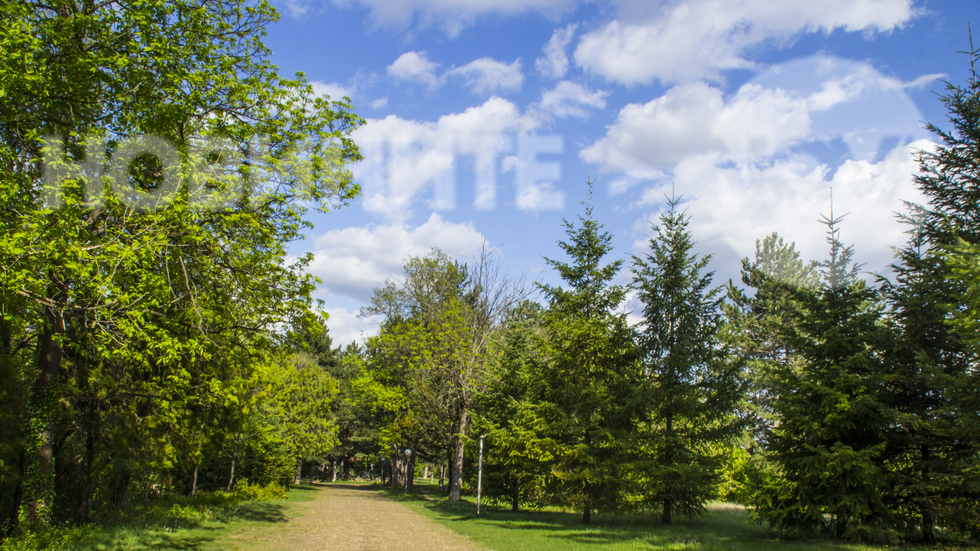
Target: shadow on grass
[726,526]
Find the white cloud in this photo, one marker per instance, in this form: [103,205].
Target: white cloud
[487,75]
[404,158]
[332,89]
[353,261]
[415,67]
[379,103]
[570,99]
[696,119]
[732,207]
[699,39]
[347,326]
[808,100]
[554,63]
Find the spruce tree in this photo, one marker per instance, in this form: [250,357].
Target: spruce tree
[587,374]
[933,382]
[829,439]
[690,385]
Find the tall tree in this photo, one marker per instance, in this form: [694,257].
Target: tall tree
[513,416]
[937,436]
[830,437]
[690,383]
[437,332]
[589,362]
[136,259]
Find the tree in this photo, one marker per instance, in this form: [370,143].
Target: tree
[831,433]
[588,370]
[755,322]
[438,328]
[133,277]
[512,415]
[690,384]
[934,372]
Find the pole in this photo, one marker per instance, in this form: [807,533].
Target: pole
[479,478]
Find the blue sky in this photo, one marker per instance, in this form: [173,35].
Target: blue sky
[486,117]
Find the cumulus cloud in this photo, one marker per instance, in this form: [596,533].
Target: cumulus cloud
[570,99]
[699,39]
[814,99]
[415,67]
[403,159]
[696,119]
[554,63]
[353,261]
[487,75]
[731,207]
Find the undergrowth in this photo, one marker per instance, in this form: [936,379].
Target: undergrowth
[170,518]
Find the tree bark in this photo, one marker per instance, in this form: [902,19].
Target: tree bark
[333,478]
[231,476]
[395,467]
[456,479]
[194,482]
[299,471]
[44,400]
[442,477]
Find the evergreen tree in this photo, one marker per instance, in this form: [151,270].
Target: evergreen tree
[520,449]
[587,374]
[754,329]
[690,385]
[934,377]
[829,438]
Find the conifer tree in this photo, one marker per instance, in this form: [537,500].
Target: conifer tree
[689,385]
[934,373]
[589,358]
[830,435]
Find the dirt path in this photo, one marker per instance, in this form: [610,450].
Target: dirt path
[350,517]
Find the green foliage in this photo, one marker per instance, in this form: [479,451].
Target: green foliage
[830,434]
[512,416]
[933,380]
[139,324]
[690,383]
[588,370]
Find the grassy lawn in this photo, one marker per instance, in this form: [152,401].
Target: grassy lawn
[726,527]
[203,523]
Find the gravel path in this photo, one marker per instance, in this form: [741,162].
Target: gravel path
[350,517]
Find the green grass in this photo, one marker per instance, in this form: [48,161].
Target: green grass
[188,524]
[725,527]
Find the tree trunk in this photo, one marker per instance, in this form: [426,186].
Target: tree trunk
[456,480]
[345,468]
[44,400]
[231,475]
[395,467]
[515,498]
[333,478]
[194,482]
[442,477]
[587,511]
[410,471]
[299,471]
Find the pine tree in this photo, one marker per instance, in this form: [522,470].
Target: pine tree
[690,385]
[589,350]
